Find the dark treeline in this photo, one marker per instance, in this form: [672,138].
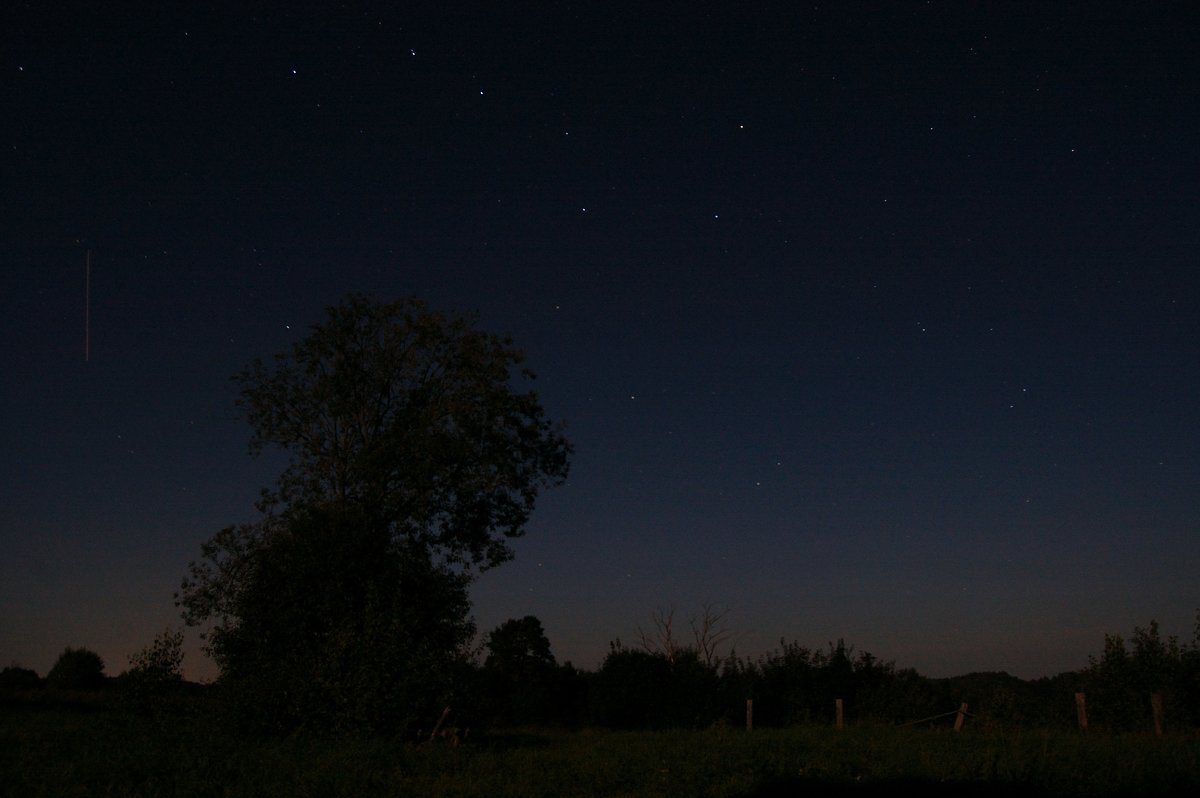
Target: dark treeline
[518,683]
[654,687]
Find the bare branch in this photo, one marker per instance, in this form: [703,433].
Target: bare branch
[710,632]
[662,642]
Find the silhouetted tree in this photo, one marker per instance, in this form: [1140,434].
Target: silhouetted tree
[520,672]
[786,688]
[415,457]
[14,677]
[156,670]
[661,642]
[710,633]
[637,689]
[161,661]
[1119,683]
[630,691]
[570,695]
[836,676]
[795,685]
[1188,688]
[519,647]
[1112,697]
[77,669]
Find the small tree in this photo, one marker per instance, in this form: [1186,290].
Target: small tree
[77,669]
[520,672]
[639,689]
[787,679]
[710,633]
[14,677]
[519,648]
[1120,682]
[161,660]
[631,689]
[662,642]
[155,670]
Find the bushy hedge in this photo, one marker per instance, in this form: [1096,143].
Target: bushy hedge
[792,685]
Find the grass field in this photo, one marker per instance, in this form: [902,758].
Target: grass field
[57,751]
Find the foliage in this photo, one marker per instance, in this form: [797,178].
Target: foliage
[1119,683]
[156,670]
[629,690]
[519,648]
[14,677]
[162,660]
[795,685]
[520,684]
[637,689]
[338,631]
[77,669]
[415,458]
[520,678]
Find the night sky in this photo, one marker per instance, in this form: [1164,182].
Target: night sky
[867,320]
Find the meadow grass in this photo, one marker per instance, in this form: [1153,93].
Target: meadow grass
[67,752]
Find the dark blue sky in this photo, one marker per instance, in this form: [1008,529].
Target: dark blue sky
[876,321]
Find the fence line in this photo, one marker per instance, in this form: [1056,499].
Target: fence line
[961,712]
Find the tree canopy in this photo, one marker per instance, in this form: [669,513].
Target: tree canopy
[519,646]
[77,669]
[522,682]
[417,453]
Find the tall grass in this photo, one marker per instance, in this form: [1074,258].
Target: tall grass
[66,752]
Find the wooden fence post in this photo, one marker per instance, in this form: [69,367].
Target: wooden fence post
[1081,711]
[837,702]
[749,714]
[1156,708]
[962,716]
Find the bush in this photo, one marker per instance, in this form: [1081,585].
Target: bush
[155,671]
[642,690]
[77,669]
[14,677]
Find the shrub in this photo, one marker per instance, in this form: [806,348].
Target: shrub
[77,669]
[154,672]
[14,677]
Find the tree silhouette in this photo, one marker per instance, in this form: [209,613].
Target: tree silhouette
[14,677]
[77,669]
[519,647]
[156,670]
[415,457]
[161,661]
[520,672]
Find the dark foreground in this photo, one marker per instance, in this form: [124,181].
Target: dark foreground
[56,750]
